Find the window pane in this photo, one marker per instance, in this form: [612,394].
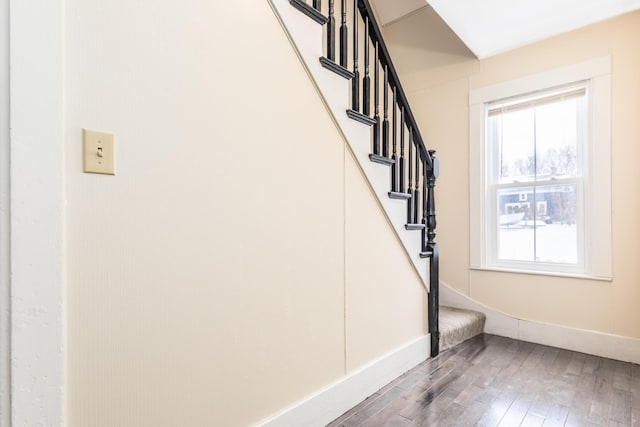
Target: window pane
[556,224]
[515,237]
[557,131]
[538,223]
[512,135]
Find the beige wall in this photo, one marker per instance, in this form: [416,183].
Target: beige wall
[237,261]
[438,77]
[384,305]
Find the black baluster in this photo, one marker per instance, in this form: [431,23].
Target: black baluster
[410,188]
[431,201]
[366,82]
[394,168]
[424,205]
[355,82]
[400,191]
[416,187]
[316,5]
[376,101]
[401,170]
[331,33]
[343,35]
[385,122]
[434,262]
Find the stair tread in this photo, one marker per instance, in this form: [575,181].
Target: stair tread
[458,325]
[309,11]
[336,68]
[362,118]
[399,195]
[376,158]
[414,226]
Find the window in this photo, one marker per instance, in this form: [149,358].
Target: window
[540,173]
[536,149]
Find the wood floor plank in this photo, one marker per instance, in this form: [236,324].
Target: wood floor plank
[423,413]
[471,414]
[390,414]
[372,410]
[577,363]
[368,401]
[557,415]
[532,420]
[516,412]
[599,413]
[622,377]
[620,410]
[398,421]
[498,408]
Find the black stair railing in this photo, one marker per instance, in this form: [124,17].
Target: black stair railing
[413,168]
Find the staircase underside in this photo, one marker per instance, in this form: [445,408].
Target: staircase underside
[458,325]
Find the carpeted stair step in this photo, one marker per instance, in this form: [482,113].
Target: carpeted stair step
[458,325]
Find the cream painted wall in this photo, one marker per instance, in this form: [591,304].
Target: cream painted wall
[438,79]
[384,293]
[230,267]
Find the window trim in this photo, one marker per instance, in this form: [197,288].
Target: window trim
[597,194]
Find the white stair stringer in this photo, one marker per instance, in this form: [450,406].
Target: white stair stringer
[307,38]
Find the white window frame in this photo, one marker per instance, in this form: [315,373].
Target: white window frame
[597,259]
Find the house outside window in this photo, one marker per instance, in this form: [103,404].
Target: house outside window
[540,173]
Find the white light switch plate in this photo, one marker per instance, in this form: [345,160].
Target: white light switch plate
[98,152]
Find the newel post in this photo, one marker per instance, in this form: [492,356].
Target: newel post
[432,246]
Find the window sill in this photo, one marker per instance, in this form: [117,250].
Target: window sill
[544,273]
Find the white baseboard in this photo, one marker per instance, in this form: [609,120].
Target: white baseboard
[337,398]
[616,347]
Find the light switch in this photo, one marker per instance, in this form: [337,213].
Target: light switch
[98,152]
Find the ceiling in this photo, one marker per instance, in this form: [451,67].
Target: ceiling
[489,27]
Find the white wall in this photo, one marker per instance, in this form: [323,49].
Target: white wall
[5,292]
[37,293]
[438,80]
[223,273]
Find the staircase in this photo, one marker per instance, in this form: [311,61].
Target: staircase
[458,325]
[378,119]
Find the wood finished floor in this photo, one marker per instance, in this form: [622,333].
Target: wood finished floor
[497,381]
